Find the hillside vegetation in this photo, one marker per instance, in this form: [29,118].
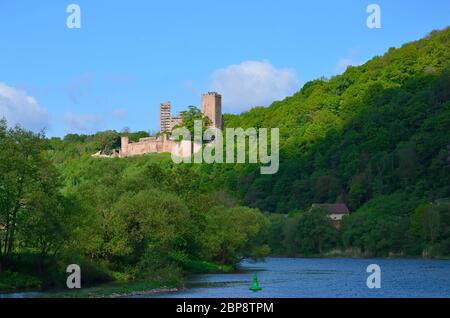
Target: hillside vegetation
[134,219]
[376,137]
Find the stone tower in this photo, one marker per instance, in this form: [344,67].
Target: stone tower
[212,108]
[124,146]
[164,117]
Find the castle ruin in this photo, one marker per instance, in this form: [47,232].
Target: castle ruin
[211,107]
[166,120]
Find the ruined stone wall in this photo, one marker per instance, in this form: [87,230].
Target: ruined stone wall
[146,145]
[174,121]
[139,148]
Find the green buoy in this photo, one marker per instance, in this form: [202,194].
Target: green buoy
[255,285]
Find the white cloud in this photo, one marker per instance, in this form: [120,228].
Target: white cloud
[120,113]
[19,108]
[253,83]
[85,123]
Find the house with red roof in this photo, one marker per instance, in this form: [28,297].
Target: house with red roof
[336,211]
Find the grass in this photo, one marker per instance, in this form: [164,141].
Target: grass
[98,281]
[13,282]
[113,290]
[203,267]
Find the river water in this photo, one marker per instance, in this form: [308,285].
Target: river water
[325,277]
[318,277]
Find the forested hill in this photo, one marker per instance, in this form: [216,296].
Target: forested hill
[378,131]
[376,137]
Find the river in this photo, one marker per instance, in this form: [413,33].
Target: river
[325,277]
[318,277]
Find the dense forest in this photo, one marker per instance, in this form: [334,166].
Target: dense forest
[375,138]
[141,218]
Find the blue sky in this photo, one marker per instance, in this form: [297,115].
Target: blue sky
[131,55]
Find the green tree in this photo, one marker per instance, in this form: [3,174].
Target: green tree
[312,233]
[431,222]
[28,191]
[232,233]
[106,141]
[149,220]
[189,117]
[426,222]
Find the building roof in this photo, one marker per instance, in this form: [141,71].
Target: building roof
[333,208]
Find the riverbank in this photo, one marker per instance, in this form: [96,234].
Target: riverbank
[111,290]
[115,290]
[13,283]
[143,288]
[357,254]
[287,277]
[22,284]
